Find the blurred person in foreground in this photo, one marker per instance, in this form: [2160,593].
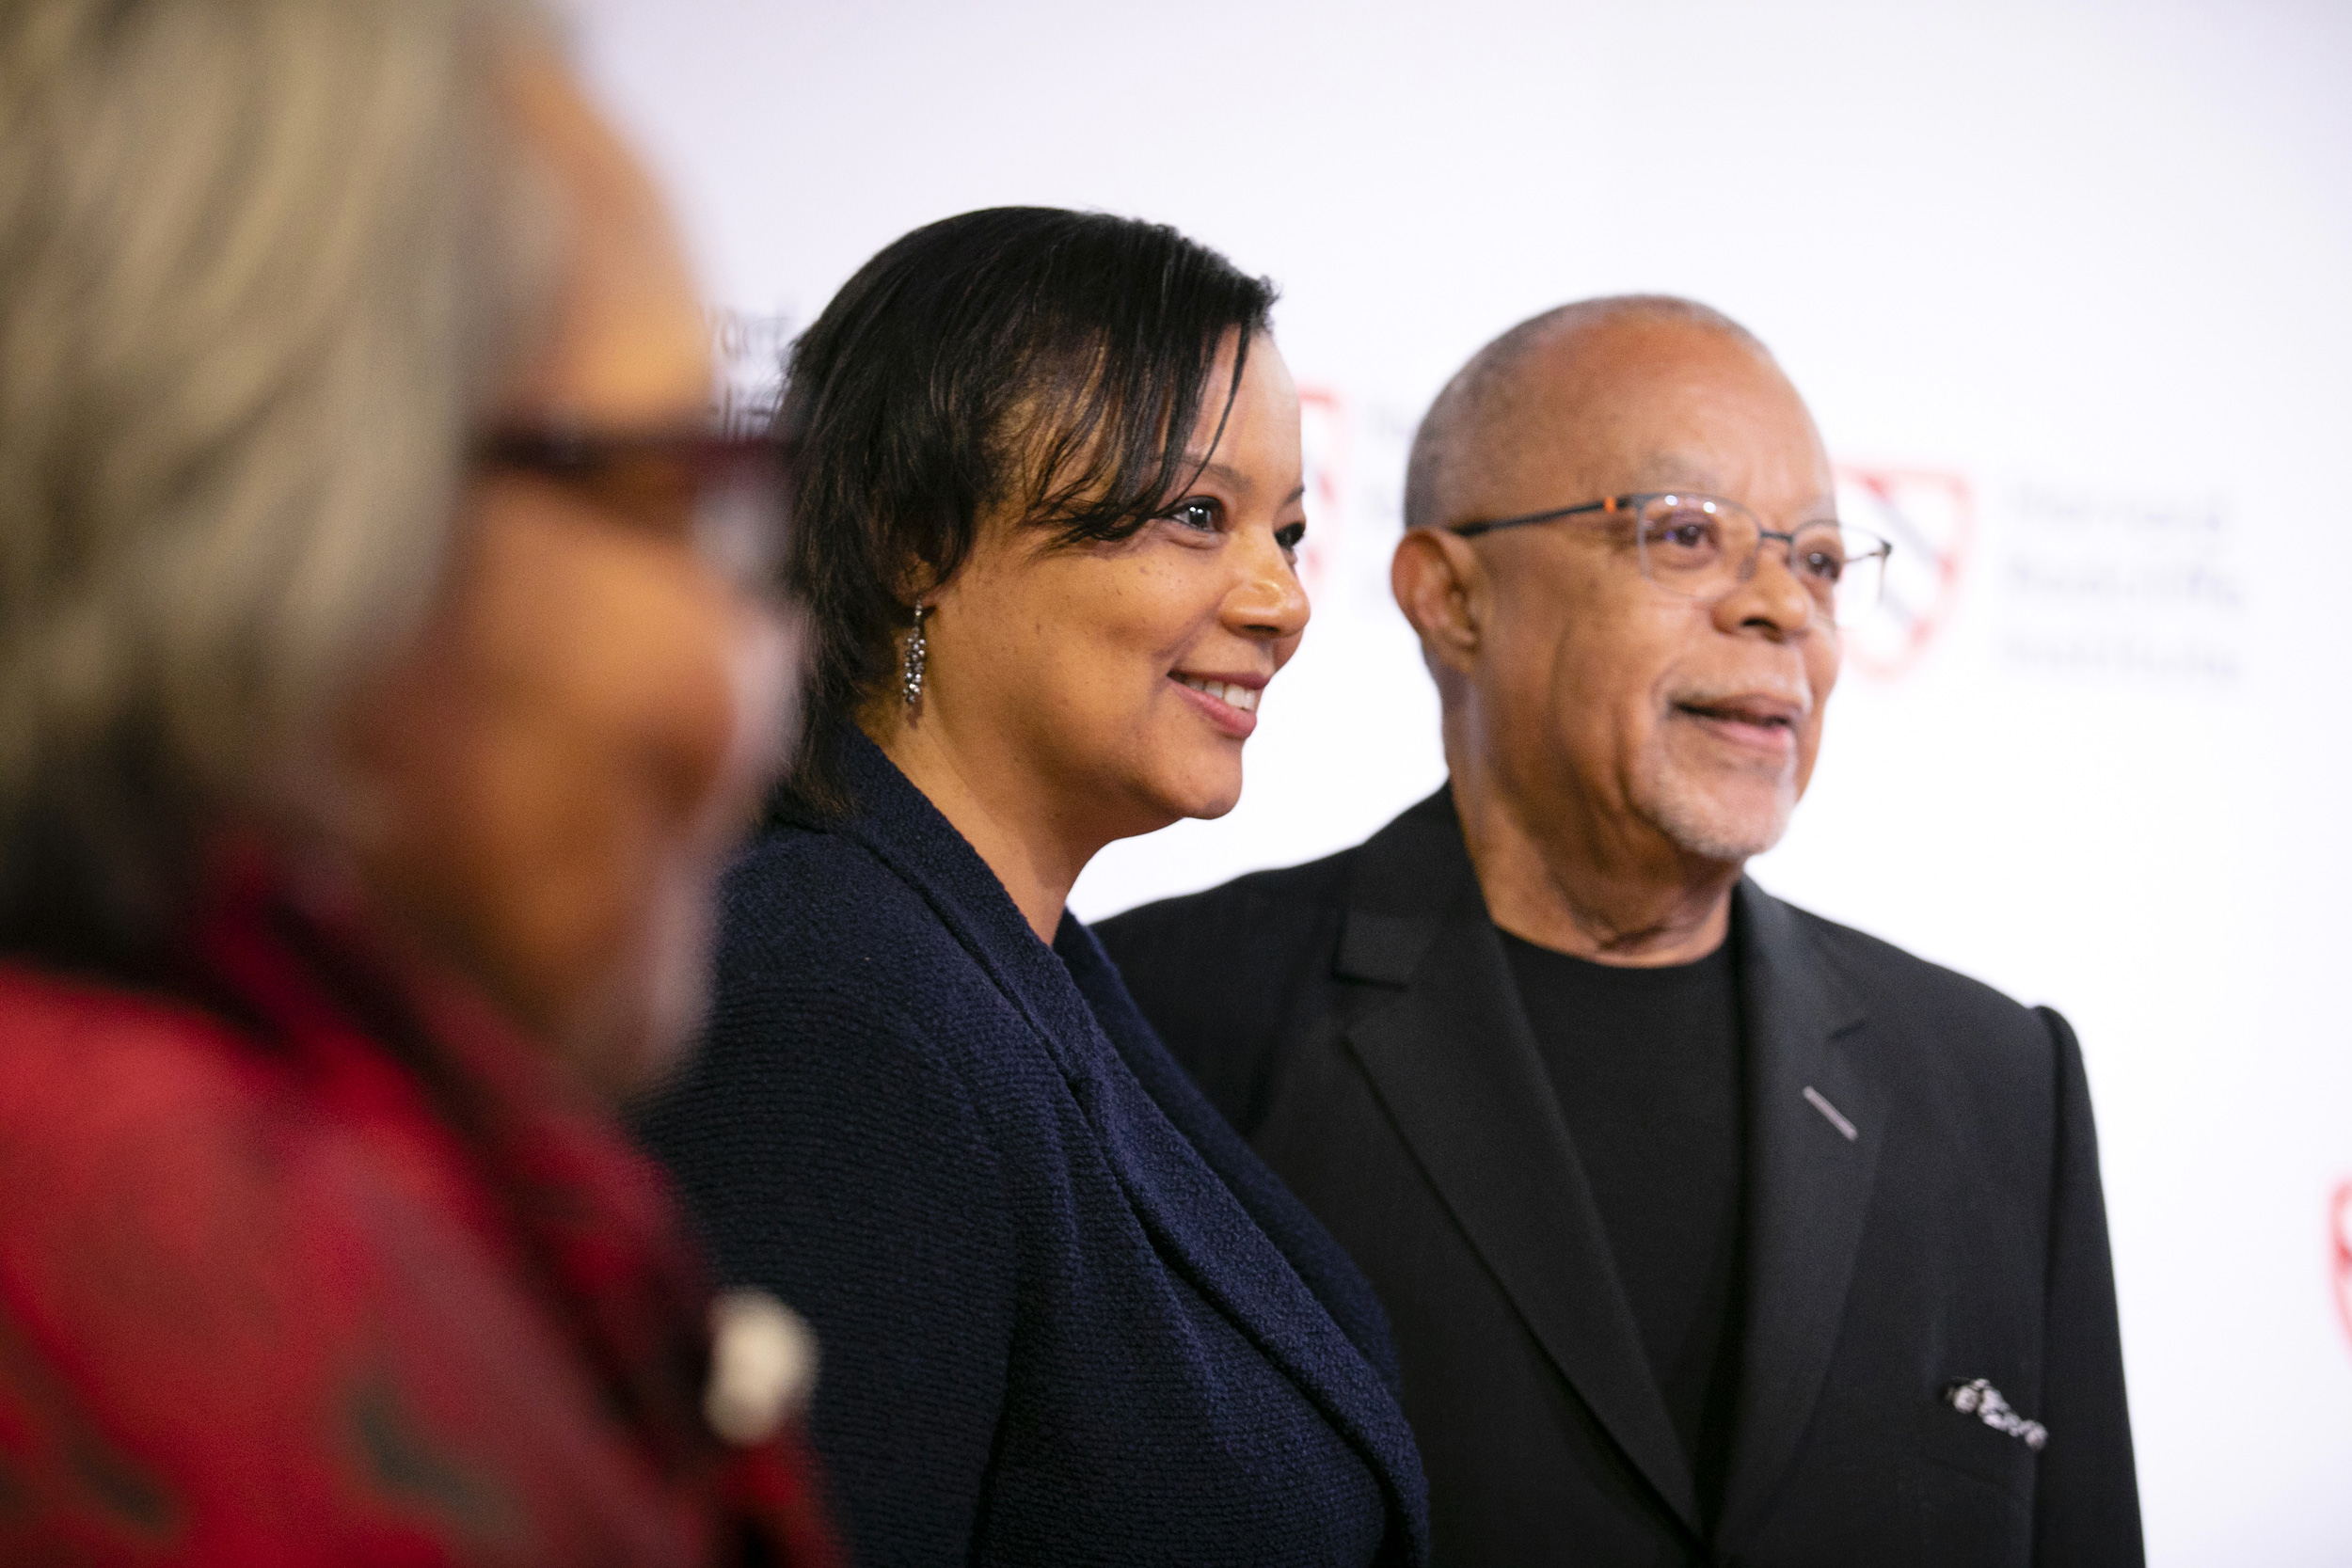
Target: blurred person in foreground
[373,721]
[1712,1231]
[1048,509]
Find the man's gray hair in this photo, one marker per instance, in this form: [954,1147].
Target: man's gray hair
[263,263]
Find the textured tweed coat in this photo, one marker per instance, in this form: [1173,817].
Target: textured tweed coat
[1066,1315]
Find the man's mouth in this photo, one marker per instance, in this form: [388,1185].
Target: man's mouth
[1231,693]
[1753,719]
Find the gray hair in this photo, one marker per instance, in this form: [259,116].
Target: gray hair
[1449,443]
[263,266]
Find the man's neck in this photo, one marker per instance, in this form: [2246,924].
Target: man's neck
[1037,860]
[1639,905]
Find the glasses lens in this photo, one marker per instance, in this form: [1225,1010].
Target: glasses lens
[1862,581]
[1705,546]
[1824,559]
[1696,544]
[1843,568]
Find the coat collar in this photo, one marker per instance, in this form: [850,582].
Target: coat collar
[1446,1043]
[1069,993]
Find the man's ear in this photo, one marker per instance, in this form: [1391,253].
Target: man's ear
[1440,587]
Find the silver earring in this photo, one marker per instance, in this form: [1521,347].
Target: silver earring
[911,666]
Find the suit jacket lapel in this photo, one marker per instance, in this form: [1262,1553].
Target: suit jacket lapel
[1453,1060]
[1809,1189]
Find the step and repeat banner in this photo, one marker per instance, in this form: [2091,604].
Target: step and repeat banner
[2070,289]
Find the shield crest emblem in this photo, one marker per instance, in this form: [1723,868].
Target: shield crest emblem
[1324,432]
[1930,519]
[2340,1222]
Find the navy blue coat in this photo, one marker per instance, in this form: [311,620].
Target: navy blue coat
[1066,1314]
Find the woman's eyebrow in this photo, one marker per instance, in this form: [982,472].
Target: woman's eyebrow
[1224,473]
[1232,478]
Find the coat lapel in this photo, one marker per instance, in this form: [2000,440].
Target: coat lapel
[1454,1062]
[1809,1189]
[1193,1218]
[1202,1225]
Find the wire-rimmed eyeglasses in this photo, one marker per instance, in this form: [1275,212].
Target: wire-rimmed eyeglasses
[1704,547]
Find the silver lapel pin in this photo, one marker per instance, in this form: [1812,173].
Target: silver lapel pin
[1837,1119]
[1978,1398]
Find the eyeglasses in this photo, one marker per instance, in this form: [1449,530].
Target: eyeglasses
[727,495]
[1704,547]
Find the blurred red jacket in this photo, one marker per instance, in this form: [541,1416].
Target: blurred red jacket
[305,1261]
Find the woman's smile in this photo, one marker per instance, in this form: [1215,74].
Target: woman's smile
[1230,701]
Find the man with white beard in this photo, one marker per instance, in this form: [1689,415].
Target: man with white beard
[1712,1231]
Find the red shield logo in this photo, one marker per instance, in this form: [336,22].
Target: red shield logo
[2339,1232]
[1324,430]
[1930,519]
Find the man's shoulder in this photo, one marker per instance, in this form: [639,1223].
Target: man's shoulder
[1225,976]
[1247,912]
[1941,1034]
[1885,975]
[1294,908]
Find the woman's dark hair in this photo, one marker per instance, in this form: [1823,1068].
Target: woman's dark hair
[1048,364]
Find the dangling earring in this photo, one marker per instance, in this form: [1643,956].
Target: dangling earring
[911,666]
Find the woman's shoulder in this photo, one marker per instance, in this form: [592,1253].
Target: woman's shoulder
[228,1290]
[826,952]
[177,1174]
[818,888]
[98,1072]
[175,1135]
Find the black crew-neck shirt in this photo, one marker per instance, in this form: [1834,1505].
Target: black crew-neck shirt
[1647,1063]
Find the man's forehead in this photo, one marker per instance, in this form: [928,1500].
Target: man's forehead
[1691,415]
[1607,396]
[1668,470]
[1618,375]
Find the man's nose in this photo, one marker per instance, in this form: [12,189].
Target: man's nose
[1769,596]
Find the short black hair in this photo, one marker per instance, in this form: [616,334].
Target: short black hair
[1047,363]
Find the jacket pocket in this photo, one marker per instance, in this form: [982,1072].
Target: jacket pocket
[1970,1488]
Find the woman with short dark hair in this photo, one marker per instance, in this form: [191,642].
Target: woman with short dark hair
[1049,505]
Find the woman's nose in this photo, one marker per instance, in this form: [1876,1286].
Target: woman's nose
[1270,601]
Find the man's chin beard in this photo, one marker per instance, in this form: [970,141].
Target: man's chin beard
[1705,831]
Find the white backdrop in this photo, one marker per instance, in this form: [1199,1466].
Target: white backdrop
[2066,287]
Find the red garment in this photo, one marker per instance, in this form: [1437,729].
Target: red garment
[324,1271]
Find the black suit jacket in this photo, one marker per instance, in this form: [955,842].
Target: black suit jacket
[1356,1020]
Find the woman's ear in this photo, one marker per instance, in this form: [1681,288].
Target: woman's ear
[1441,588]
[914,581]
